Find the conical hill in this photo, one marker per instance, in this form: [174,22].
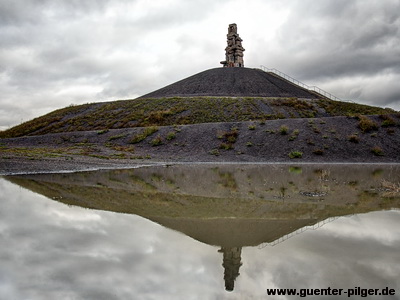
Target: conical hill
[233,82]
[212,96]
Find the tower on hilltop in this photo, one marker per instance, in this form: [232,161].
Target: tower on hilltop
[234,50]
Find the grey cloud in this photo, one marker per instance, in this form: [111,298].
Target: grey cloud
[15,13]
[335,38]
[327,41]
[55,53]
[180,13]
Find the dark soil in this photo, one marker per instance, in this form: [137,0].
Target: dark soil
[234,82]
[315,140]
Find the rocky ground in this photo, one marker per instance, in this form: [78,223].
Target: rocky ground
[315,140]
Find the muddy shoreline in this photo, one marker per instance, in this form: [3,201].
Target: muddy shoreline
[24,165]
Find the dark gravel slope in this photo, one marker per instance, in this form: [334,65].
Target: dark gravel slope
[233,82]
[315,140]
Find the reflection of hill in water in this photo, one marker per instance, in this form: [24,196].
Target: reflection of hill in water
[228,205]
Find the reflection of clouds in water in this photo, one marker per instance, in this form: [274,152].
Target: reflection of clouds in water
[341,254]
[53,251]
[372,227]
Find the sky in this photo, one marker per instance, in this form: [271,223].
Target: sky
[68,52]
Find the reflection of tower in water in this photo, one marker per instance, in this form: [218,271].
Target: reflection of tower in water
[231,264]
[314,202]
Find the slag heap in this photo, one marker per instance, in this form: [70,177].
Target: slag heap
[234,50]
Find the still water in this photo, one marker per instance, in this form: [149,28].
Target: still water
[200,232]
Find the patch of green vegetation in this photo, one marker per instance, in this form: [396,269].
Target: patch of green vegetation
[227,180]
[390,131]
[145,133]
[214,152]
[130,149]
[35,152]
[295,170]
[158,117]
[295,103]
[295,154]
[116,137]
[98,156]
[171,135]
[353,183]
[318,151]
[388,121]
[137,180]
[102,131]
[157,141]
[283,130]
[225,146]
[354,138]
[294,135]
[229,138]
[147,156]
[366,124]
[377,173]
[66,138]
[377,151]
[339,108]
[316,129]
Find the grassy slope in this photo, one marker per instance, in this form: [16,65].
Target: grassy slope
[182,110]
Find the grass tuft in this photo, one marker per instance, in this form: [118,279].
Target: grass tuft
[295,154]
[141,136]
[377,151]
[283,130]
[366,124]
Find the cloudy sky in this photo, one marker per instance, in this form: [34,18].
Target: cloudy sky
[57,53]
